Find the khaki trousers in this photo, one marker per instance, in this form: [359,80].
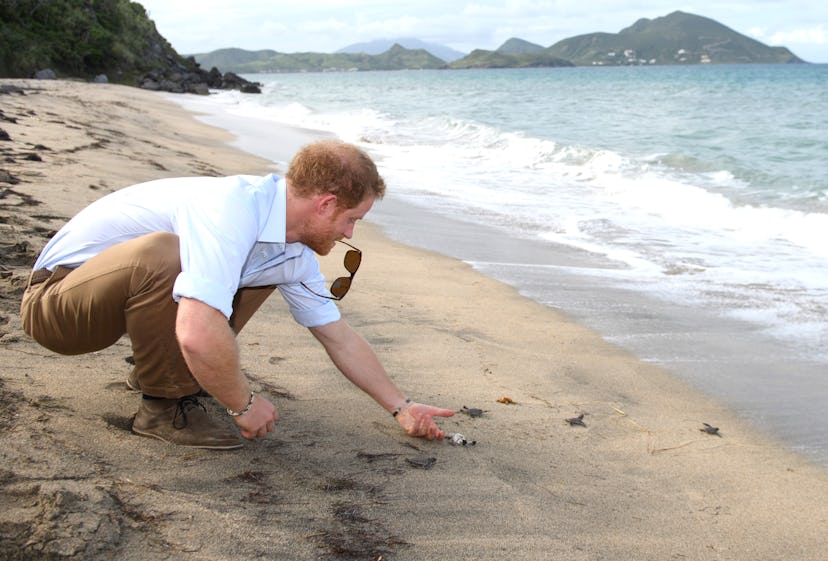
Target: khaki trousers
[124,289]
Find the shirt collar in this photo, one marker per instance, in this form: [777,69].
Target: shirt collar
[275,227]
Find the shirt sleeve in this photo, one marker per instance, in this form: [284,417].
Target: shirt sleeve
[307,308]
[215,238]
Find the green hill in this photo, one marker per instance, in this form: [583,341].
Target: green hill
[246,62]
[515,46]
[81,39]
[399,58]
[678,38]
[228,59]
[379,46]
[480,58]
[90,39]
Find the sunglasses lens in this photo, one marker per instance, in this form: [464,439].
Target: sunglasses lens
[352,261]
[340,287]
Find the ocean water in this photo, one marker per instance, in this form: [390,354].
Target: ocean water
[680,211]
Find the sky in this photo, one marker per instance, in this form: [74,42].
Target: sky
[324,26]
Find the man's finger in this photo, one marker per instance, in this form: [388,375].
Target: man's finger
[437,412]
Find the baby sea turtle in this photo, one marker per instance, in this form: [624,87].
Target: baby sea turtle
[422,462]
[711,430]
[472,412]
[576,421]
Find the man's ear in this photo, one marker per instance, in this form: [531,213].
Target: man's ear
[326,203]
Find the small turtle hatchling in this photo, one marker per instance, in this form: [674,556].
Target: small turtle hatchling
[711,430]
[576,421]
[472,411]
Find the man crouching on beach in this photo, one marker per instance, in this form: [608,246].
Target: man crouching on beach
[180,265]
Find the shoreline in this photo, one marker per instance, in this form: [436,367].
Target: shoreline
[639,481]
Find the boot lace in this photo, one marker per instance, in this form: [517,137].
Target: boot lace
[185,404]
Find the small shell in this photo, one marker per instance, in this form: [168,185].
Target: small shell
[457,439]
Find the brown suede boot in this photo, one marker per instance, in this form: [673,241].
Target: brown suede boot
[184,422]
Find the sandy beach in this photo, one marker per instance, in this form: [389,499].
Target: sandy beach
[638,480]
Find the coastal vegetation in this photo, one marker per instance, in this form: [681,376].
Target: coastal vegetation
[101,40]
[81,39]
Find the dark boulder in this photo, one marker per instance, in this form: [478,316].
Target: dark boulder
[231,81]
[45,74]
[149,84]
[191,78]
[214,78]
[8,89]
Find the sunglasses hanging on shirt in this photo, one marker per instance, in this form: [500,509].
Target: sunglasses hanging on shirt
[341,286]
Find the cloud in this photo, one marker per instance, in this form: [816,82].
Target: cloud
[400,26]
[324,26]
[813,36]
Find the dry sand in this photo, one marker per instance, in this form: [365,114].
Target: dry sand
[639,481]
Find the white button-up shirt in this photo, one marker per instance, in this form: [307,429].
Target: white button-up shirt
[231,233]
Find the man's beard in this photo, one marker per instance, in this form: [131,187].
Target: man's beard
[320,242]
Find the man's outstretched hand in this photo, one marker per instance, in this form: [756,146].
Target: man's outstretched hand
[417,419]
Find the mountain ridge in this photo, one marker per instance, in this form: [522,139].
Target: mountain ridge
[379,46]
[678,38]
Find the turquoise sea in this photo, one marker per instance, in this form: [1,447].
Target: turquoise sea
[680,211]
